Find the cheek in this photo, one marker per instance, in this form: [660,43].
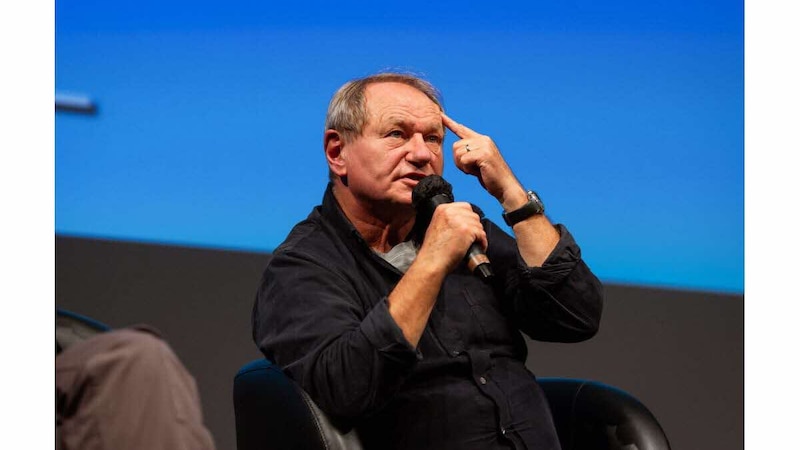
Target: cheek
[438,164]
[370,171]
[391,162]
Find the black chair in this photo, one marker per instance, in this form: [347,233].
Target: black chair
[593,415]
[273,413]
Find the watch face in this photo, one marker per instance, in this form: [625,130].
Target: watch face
[535,198]
[533,207]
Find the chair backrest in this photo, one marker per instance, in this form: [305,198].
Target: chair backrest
[273,413]
[594,416]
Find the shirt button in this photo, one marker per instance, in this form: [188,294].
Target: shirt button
[482,380]
[455,353]
[502,431]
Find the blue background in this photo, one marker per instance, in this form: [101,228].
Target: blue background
[627,118]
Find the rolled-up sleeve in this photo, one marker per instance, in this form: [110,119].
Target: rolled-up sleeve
[386,336]
[561,301]
[349,358]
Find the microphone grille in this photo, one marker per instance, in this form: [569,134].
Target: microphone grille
[429,187]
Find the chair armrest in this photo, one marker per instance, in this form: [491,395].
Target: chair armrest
[593,415]
[273,412]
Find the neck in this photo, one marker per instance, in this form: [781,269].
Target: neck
[381,226]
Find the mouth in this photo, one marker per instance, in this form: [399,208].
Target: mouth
[414,176]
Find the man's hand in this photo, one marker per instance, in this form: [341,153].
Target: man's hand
[476,154]
[453,228]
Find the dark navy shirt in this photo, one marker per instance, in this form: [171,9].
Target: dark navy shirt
[321,314]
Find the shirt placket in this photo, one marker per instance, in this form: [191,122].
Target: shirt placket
[481,364]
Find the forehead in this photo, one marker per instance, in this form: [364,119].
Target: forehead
[385,100]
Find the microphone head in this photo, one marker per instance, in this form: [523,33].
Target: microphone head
[429,187]
[429,193]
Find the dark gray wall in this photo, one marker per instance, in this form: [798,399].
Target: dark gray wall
[681,353]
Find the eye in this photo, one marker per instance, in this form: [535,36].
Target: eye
[395,134]
[433,138]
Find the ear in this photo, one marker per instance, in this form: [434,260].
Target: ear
[334,146]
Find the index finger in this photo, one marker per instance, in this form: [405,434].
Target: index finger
[460,130]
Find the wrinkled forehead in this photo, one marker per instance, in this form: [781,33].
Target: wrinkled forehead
[399,102]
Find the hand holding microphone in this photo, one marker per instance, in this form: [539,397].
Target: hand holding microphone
[458,224]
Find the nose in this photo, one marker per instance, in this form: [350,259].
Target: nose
[418,152]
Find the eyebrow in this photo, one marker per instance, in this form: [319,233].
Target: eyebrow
[393,121]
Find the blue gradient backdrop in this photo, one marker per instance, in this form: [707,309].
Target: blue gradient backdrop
[627,117]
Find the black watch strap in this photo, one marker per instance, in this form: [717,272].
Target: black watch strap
[532,208]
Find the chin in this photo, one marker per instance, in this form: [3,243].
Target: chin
[402,201]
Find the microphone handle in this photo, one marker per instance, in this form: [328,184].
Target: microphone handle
[477,261]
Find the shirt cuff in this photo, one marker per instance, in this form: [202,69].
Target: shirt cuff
[386,336]
[559,264]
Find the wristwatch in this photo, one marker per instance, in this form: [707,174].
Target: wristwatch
[532,208]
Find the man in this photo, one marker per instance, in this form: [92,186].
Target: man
[401,340]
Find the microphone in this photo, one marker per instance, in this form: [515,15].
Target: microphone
[431,192]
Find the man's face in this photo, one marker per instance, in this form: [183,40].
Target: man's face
[401,143]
